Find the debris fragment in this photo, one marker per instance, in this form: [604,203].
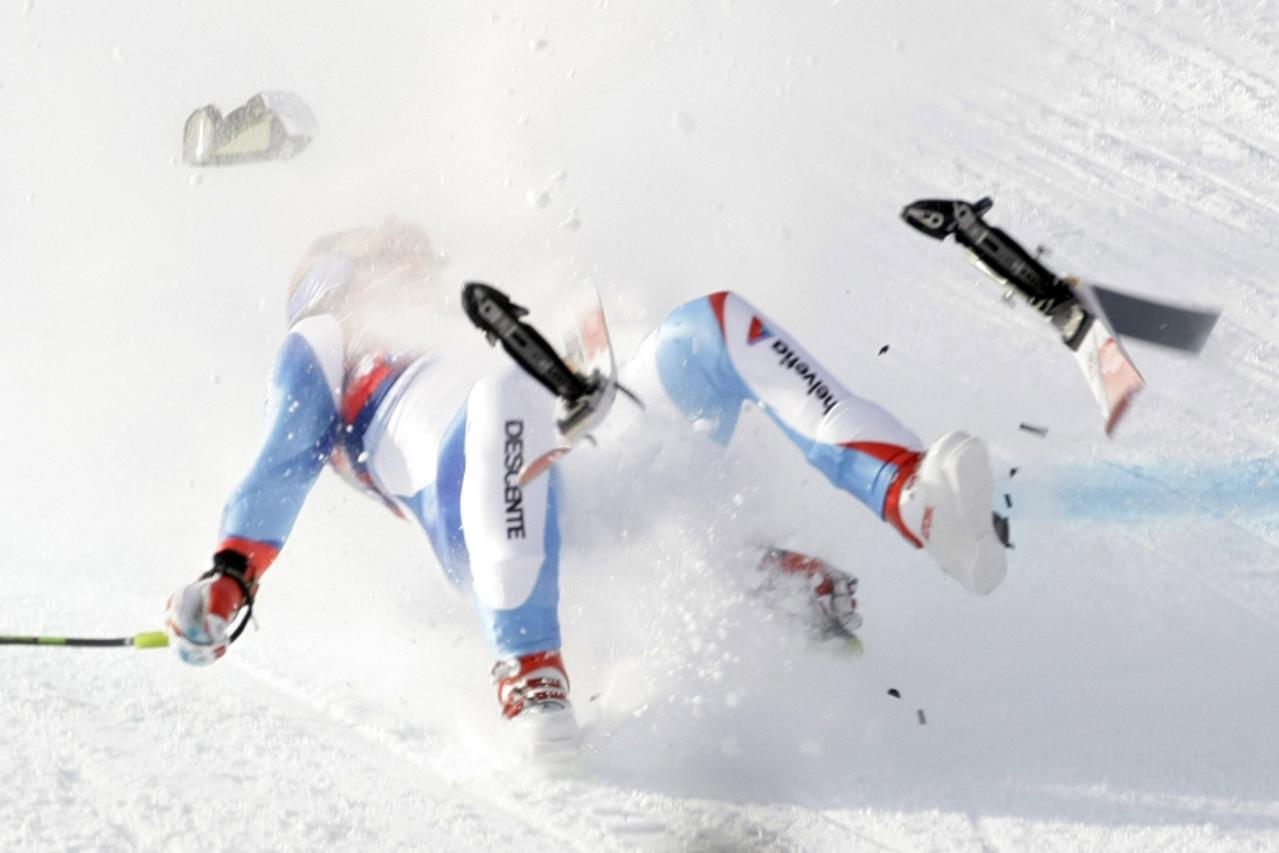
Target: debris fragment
[1037,430]
[1001,529]
[883,349]
[922,720]
[269,126]
[894,692]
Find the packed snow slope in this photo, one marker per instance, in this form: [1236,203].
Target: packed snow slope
[1120,691]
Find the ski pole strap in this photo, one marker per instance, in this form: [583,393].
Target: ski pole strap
[493,312]
[229,563]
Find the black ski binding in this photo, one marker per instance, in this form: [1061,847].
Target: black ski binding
[493,312]
[1004,259]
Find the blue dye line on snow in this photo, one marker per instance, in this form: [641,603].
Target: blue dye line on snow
[1244,488]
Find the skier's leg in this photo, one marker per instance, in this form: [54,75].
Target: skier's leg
[491,535]
[511,531]
[712,355]
[458,479]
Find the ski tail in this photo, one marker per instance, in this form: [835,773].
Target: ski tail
[1180,327]
[1111,375]
[588,352]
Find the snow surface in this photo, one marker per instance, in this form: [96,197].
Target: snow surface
[1120,692]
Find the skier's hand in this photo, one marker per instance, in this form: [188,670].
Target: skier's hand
[195,620]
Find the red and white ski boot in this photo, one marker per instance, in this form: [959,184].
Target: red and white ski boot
[533,692]
[834,592]
[944,506]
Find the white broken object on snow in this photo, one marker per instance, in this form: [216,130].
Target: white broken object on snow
[269,126]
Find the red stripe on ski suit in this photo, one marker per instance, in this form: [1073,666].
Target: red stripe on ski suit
[225,595]
[717,305]
[906,461]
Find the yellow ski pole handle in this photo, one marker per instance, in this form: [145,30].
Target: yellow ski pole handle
[143,640]
[150,640]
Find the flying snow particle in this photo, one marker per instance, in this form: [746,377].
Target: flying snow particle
[683,124]
[572,222]
[540,199]
[537,44]
[811,746]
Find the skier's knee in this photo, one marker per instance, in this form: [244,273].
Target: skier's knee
[695,368]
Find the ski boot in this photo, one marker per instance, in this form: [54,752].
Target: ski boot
[533,692]
[944,507]
[834,594]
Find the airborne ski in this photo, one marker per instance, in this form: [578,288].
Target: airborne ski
[1072,308]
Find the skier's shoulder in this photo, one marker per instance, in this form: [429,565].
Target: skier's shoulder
[313,346]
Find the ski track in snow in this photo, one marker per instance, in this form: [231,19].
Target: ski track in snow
[1118,693]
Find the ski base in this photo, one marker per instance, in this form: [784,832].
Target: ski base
[1181,327]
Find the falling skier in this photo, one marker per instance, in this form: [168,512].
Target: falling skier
[374,378]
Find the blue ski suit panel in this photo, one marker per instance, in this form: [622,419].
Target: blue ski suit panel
[698,373]
[301,423]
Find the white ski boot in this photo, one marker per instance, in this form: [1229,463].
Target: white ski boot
[946,507]
[533,690]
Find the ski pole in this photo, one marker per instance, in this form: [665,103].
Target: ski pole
[143,640]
